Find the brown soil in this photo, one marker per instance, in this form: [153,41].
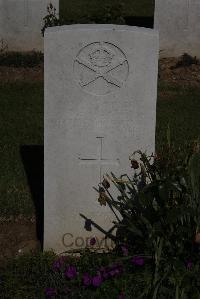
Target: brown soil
[16,238]
[19,236]
[168,72]
[12,74]
[181,75]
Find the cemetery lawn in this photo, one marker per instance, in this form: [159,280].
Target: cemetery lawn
[21,126]
[21,114]
[21,109]
[179,108]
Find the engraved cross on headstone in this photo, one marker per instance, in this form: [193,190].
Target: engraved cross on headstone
[101,161]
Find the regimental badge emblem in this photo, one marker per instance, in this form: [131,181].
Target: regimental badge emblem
[101,68]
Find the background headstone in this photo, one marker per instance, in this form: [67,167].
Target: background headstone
[22,21]
[100,106]
[178,23]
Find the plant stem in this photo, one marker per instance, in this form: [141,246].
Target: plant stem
[158,252]
[177,292]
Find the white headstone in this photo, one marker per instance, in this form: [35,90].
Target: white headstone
[22,21]
[100,106]
[178,23]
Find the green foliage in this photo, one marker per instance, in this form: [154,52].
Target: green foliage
[26,276]
[156,221]
[30,276]
[3,46]
[157,215]
[21,59]
[194,173]
[108,14]
[87,11]
[51,19]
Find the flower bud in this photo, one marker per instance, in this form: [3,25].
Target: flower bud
[197,238]
[102,198]
[134,164]
[93,241]
[105,184]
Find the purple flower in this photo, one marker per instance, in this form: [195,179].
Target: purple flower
[50,292]
[121,296]
[189,264]
[139,261]
[93,241]
[124,250]
[117,268]
[71,272]
[106,275]
[56,266]
[87,279]
[58,263]
[117,271]
[97,281]
[111,271]
[104,272]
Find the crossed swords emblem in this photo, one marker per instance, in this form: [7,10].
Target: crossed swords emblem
[101,72]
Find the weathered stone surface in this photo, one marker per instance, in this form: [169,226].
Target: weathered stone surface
[178,23]
[100,106]
[21,22]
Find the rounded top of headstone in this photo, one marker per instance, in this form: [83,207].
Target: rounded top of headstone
[101,27]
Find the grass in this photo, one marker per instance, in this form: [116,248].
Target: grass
[28,277]
[81,10]
[180,110]
[33,270]
[21,113]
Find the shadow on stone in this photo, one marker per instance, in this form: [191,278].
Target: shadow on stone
[33,160]
[146,22]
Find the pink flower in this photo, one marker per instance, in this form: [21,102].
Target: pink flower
[122,296]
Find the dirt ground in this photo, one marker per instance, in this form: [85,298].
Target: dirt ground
[14,74]
[168,72]
[19,236]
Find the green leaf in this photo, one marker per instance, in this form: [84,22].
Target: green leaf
[134,229]
[194,172]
